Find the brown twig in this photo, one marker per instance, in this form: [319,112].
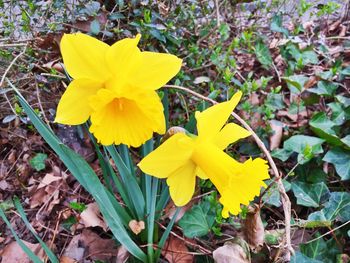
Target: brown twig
[284,197]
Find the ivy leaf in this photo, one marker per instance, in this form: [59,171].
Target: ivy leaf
[95,27]
[281,154]
[276,25]
[309,57]
[310,195]
[263,54]
[305,146]
[301,258]
[322,126]
[296,83]
[341,160]
[321,250]
[326,88]
[38,161]
[346,140]
[198,221]
[337,208]
[272,197]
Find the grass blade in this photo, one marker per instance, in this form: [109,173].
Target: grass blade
[130,182]
[47,250]
[29,253]
[82,171]
[166,234]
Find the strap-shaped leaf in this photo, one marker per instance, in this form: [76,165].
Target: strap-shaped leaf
[82,171]
[21,212]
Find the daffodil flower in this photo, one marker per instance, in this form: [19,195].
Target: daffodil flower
[116,87]
[183,157]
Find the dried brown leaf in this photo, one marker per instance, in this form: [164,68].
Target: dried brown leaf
[175,251]
[123,255]
[254,231]
[91,217]
[90,245]
[230,253]
[48,179]
[13,253]
[276,137]
[136,226]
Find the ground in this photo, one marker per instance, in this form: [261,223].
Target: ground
[290,60]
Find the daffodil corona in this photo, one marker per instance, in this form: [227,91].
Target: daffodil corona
[116,87]
[183,157]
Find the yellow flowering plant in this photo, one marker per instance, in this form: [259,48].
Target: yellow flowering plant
[113,92]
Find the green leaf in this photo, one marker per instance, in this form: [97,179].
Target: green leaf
[272,197]
[38,161]
[337,208]
[29,253]
[321,250]
[113,213]
[301,144]
[309,57]
[341,160]
[156,34]
[343,100]
[263,55]
[79,207]
[132,188]
[310,195]
[95,27]
[346,140]
[326,88]
[47,250]
[296,83]
[281,154]
[198,221]
[276,25]
[301,258]
[322,126]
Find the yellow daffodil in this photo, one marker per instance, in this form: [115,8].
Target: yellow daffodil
[115,86]
[183,157]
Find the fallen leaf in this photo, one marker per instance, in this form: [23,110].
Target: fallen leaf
[254,229]
[89,245]
[65,259]
[312,81]
[276,137]
[335,25]
[175,251]
[13,252]
[48,179]
[201,79]
[136,226]
[230,253]
[122,255]
[91,217]
[343,30]
[170,210]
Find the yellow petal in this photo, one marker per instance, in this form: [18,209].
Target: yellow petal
[168,157]
[201,174]
[182,183]
[129,121]
[214,163]
[230,134]
[210,121]
[244,185]
[123,57]
[84,56]
[73,107]
[156,70]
